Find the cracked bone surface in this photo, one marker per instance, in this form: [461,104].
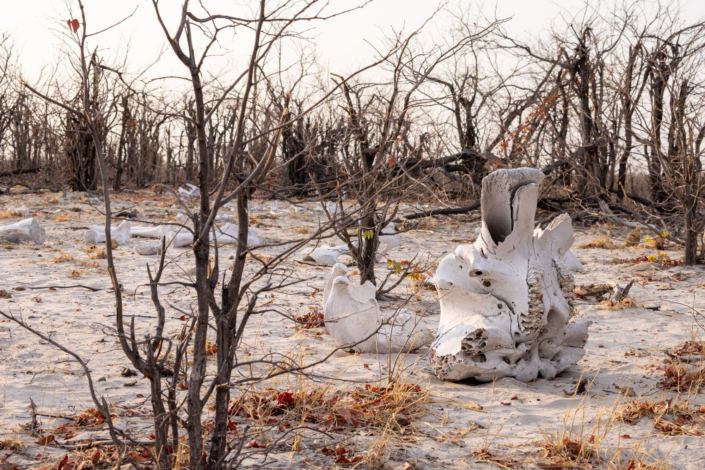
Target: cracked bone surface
[507,300]
[121,234]
[352,317]
[24,230]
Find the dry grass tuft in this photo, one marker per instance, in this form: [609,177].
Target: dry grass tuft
[610,304]
[377,409]
[312,319]
[671,419]
[95,252]
[603,242]
[89,264]
[63,257]
[62,217]
[682,378]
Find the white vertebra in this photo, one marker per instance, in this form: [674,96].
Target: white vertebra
[506,301]
[24,230]
[352,317]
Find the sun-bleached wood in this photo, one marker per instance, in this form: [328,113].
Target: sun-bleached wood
[352,318]
[507,300]
[24,230]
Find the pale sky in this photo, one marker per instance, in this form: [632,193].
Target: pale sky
[341,42]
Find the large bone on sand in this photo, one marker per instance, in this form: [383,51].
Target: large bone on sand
[507,300]
[24,230]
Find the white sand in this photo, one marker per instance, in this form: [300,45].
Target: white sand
[81,320]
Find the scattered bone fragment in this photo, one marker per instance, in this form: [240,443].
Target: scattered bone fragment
[225,235]
[24,230]
[153,231]
[388,240]
[152,247]
[121,234]
[18,211]
[228,234]
[507,300]
[193,191]
[352,318]
[328,255]
[325,255]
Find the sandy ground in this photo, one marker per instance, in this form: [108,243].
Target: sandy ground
[625,347]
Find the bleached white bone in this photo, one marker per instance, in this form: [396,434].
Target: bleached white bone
[227,235]
[507,300]
[328,255]
[121,234]
[274,209]
[352,318]
[331,207]
[194,191]
[152,247]
[325,255]
[153,231]
[179,239]
[388,240]
[24,230]
[18,211]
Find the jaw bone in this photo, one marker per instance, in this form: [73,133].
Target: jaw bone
[506,301]
[24,230]
[352,318]
[121,234]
